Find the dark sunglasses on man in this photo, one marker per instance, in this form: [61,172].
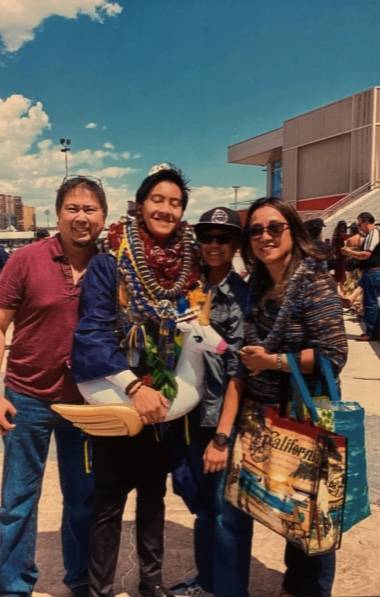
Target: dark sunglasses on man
[273,229]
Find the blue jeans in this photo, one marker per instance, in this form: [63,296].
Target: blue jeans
[26,450]
[308,576]
[222,533]
[370,282]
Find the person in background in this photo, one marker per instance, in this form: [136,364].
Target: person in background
[338,241]
[369,256]
[314,228]
[42,233]
[142,291]
[222,534]
[4,256]
[353,294]
[293,306]
[39,292]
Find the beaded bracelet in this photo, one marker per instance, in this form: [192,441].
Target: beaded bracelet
[279,361]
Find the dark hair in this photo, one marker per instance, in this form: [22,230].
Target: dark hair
[171,175]
[314,228]
[303,246]
[337,240]
[86,182]
[354,228]
[42,233]
[340,225]
[366,217]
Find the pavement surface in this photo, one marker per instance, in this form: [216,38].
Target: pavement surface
[358,569]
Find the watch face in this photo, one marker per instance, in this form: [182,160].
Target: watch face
[221,440]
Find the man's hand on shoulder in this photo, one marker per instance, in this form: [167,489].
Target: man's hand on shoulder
[151,405]
[7,411]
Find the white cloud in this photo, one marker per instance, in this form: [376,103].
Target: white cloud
[20,18]
[33,167]
[204,198]
[89,125]
[114,172]
[20,123]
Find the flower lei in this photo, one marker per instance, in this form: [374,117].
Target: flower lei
[147,299]
[155,265]
[271,342]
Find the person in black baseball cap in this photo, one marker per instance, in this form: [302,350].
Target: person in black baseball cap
[218,232]
[314,228]
[219,217]
[222,533]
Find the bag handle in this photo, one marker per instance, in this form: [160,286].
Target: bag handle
[326,369]
[302,387]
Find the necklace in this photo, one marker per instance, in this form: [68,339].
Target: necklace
[147,299]
[145,273]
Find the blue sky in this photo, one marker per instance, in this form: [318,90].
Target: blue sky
[138,82]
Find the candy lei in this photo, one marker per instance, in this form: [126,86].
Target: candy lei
[148,300]
[274,337]
[155,290]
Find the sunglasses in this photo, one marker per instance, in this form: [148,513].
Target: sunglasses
[219,239]
[84,178]
[273,229]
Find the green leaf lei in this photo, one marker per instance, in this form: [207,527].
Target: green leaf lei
[163,379]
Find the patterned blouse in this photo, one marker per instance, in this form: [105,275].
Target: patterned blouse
[315,321]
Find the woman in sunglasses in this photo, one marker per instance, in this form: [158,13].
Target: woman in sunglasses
[222,533]
[293,306]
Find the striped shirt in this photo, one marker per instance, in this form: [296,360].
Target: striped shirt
[316,321]
[372,244]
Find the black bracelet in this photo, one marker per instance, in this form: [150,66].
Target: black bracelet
[131,385]
[221,440]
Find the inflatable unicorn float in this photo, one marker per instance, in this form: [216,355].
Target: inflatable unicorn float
[109,411]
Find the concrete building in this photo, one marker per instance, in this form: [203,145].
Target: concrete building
[323,159]
[10,211]
[29,218]
[13,213]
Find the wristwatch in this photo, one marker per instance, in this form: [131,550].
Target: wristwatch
[221,440]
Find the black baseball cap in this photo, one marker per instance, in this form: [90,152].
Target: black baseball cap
[220,217]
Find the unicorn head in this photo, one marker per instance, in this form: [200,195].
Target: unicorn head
[199,335]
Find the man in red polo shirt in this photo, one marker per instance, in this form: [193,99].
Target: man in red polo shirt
[39,292]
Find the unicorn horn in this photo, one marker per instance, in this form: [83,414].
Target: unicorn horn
[204,315]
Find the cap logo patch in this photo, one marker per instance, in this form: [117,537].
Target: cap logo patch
[219,217]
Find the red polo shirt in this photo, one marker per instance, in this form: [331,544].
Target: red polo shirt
[37,282]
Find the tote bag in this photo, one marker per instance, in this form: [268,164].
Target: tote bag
[289,475]
[347,419]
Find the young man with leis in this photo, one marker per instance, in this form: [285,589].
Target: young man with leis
[127,333]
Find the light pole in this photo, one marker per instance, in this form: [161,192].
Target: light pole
[65,147]
[47,214]
[236,190]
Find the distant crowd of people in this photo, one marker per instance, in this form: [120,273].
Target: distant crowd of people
[80,315]
[353,256]
[6,251]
